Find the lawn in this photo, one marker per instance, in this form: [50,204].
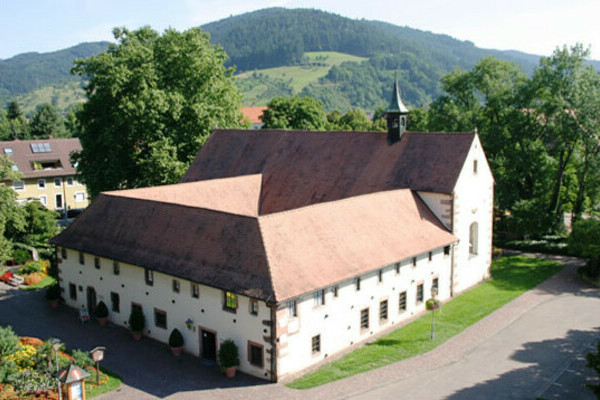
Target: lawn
[44,283]
[511,277]
[114,381]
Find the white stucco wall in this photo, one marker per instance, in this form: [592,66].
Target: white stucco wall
[338,320]
[206,311]
[473,202]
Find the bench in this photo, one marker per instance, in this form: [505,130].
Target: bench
[16,280]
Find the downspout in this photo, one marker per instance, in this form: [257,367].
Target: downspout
[273,342]
[452,249]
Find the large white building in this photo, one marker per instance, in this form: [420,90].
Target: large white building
[296,245]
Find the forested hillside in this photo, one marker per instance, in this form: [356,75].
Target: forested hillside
[30,71]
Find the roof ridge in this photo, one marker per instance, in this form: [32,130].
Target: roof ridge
[267,259]
[328,203]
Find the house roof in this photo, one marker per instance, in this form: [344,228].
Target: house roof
[46,150]
[273,257]
[301,168]
[254,114]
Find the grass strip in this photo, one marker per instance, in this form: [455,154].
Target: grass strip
[114,381]
[512,276]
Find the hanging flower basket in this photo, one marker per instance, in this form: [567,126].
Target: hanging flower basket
[432,304]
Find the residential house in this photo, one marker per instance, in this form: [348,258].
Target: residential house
[47,172]
[296,245]
[254,115]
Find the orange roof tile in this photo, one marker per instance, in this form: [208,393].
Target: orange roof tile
[254,114]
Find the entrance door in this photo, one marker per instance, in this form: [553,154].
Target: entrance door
[91,300]
[209,345]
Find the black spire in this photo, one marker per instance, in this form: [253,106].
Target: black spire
[396,114]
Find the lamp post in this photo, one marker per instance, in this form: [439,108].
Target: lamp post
[55,346]
[98,355]
[434,292]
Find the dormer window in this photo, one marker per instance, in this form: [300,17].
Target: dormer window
[8,151]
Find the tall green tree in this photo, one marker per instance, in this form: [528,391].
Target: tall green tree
[302,113]
[17,125]
[12,217]
[45,122]
[152,101]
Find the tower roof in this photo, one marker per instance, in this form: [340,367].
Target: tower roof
[396,105]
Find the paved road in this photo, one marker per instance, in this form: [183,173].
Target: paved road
[534,346]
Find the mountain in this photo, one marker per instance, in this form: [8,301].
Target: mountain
[30,71]
[345,63]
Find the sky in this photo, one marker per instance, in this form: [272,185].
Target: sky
[532,26]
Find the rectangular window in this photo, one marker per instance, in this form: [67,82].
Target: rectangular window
[72,291]
[81,258]
[357,283]
[474,166]
[414,261]
[57,182]
[136,306]
[231,301]
[383,310]
[115,302]
[435,285]
[364,319]
[41,184]
[292,311]
[175,286]
[255,354]
[59,200]
[319,298]
[160,318]
[195,290]
[335,291]
[19,185]
[380,275]
[96,263]
[8,150]
[79,197]
[430,255]
[420,294]
[116,268]
[149,277]
[447,250]
[43,200]
[69,181]
[253,306]
[402,303]
[316,344]
[397,268]
[63,253]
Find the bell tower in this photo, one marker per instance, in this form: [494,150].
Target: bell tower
[396,114]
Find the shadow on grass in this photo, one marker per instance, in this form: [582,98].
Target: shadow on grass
[540,360]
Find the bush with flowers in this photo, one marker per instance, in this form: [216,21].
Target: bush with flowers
[28,367]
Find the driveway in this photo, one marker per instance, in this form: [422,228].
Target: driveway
[534,346]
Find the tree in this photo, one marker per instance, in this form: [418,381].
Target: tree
[355,120]
[40,225]
[45,122]
[303,113]
[17,124]
[11,214]
[13,110]
[152,100]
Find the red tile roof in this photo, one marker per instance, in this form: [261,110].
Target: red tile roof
[254,114]
[274,214]
[301,168]
[23,156]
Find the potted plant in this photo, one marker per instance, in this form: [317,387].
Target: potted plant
[176,342]
[136,323]
[228,357]
[53,295]
[432,304]
[101,313]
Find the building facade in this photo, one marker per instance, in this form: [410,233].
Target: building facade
[47,173]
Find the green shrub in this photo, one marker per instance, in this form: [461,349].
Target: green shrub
[136,320]
[53,293]
[32,267]
[593,362]
[175,338]
[101,310]
[21,256]
[8,341]
[81,358]
[228,354]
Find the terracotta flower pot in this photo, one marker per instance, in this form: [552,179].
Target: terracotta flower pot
[136,335]
[102,320]
[230,372]
[176,351]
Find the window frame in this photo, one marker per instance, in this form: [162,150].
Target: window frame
[43,200]
[41,184]
[97,262]
[72,291]
[149,277]
[357,283]
[159,315]
[402,301]
[57,182]
[364,319]
[315,344]
[116,268]
[420,293]
[319,298]
[81,258]
[292,307]
[194,290]
[176,286]
[115,296]
[384,314]
[63,253]
[256,346]
[18,186]
[230,301]
[253,305]
[67,179]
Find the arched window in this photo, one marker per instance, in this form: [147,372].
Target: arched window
[473,238]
